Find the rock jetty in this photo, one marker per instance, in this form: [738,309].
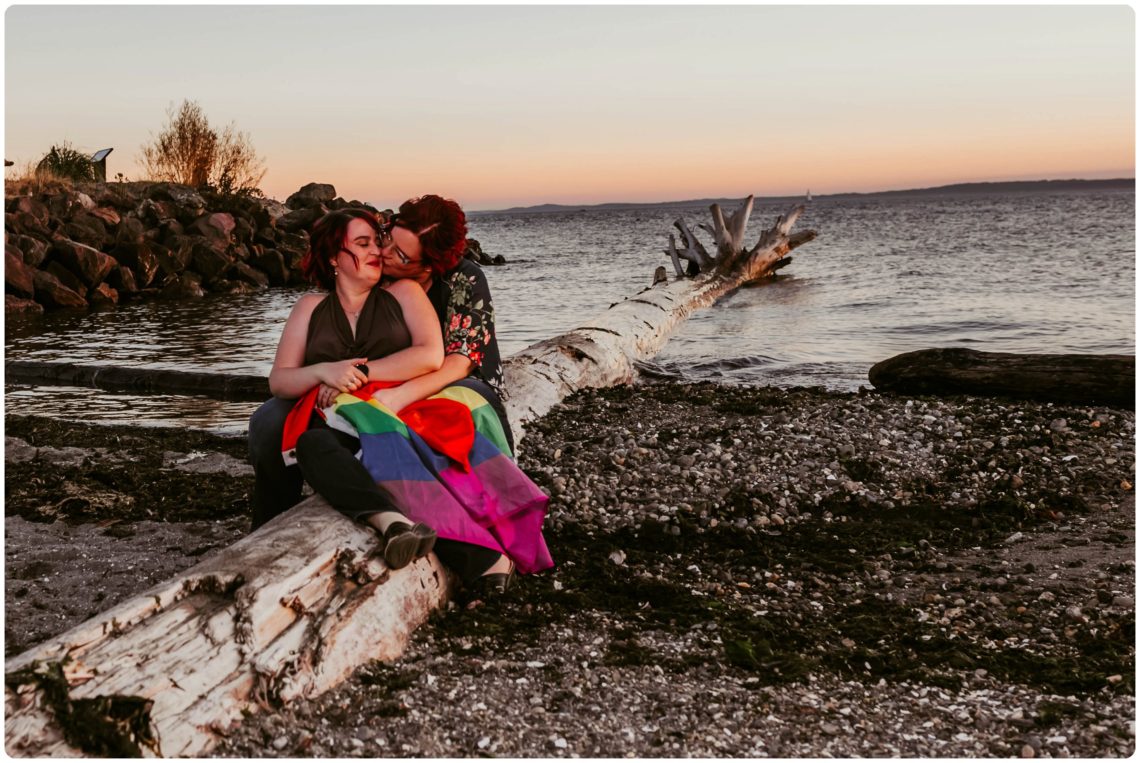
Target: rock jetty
[92,244]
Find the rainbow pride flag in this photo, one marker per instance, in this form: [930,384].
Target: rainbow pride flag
[446,463]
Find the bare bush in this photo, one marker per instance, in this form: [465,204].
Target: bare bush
[190,151]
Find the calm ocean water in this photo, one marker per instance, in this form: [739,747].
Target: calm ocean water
[1026,272]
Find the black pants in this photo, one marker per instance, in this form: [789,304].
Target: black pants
[277,486]
[328,462]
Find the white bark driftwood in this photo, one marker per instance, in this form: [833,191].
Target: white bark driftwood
[289,611]
[602,352]
[292,609]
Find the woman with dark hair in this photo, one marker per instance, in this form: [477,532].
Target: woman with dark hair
[331,343]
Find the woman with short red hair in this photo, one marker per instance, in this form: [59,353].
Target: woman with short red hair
[425,241]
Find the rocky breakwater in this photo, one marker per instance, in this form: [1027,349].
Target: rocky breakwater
[95,244]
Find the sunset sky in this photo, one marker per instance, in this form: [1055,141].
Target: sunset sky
[517,105]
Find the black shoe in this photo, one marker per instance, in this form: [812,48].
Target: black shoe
[493,584]
[404,543]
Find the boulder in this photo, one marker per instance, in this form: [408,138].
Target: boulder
[22,222]
[91,265]
[123,279]
[251,275]
[31,206]
[311,195]
[170,232]
[293,243]
[86,229]
[474,251]
[300,219]
[140,258]
[154,212]
[130,230]
[66,277]
[103,294]
[107,215]
[62,206]
[120,196]
[51,293]
[339,203]
[266,236]
[234,287]
[181,249]
[208,261]
[18,278]
[34,250]
[183,196]
[216,228]
[14,305]
[243,230]
[274,211]
[185,286]
[272,264]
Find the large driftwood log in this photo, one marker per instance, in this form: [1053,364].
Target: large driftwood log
[1075,379]
[603,352]
[295,607]
[289,611]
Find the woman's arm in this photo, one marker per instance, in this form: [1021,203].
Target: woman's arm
[454,368]
[290,378]
[468,335]
[426,351]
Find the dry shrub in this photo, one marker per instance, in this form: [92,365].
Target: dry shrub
[190,151]
[28,180]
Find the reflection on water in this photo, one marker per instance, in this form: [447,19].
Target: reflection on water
[1017,273]
[98,406]
[237,334]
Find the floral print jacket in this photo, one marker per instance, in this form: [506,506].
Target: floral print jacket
[469,321]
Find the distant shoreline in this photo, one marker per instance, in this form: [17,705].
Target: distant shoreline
[1017,186]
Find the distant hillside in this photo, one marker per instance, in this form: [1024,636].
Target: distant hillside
[958,189]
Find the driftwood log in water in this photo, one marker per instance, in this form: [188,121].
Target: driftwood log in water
[295,607]
[1078,379]
[120,378]
[603,351]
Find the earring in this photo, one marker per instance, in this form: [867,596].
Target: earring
[336,273]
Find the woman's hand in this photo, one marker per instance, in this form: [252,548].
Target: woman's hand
[326,396]
[393,398]
[342,374]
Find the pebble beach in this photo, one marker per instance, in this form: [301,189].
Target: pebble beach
[740,572]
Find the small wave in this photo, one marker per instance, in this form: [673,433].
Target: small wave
[732,364]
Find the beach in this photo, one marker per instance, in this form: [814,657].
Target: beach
[740,571]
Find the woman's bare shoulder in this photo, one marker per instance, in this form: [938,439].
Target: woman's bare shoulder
[403,287]
[307,303]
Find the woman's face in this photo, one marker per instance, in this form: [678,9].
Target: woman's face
[359,257]
[403,254]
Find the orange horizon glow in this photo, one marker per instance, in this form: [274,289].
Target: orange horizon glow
[502,106]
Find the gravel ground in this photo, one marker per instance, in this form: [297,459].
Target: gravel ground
[756,572]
